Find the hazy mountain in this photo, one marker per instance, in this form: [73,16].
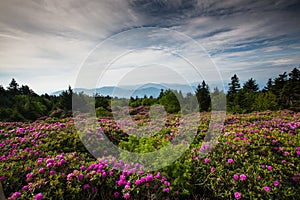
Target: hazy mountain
[149,89]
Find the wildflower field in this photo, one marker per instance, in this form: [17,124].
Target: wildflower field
[257,156]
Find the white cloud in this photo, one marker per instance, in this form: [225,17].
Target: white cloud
[42,43]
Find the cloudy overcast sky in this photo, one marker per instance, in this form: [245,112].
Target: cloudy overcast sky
[43,43]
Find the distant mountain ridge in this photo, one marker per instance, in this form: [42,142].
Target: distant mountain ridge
[149,89]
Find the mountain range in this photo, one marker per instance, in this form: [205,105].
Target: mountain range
[149,89]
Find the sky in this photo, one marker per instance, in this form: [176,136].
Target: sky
[48,44]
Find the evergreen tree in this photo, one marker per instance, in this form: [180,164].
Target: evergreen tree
[234,87]
[250,85]
[292,90]
[13,87]
[66,99]
[268,86]
[203,97]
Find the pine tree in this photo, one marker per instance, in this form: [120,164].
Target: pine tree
[269,85]
[203,97]
[234,87]
[13,87]
[250,85]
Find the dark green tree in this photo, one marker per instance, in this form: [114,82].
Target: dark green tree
[203,97]
[65,102]
[169,100]
[268,86]
[232,100]
[250,85]
[13,87]
[291,90]
[234,87]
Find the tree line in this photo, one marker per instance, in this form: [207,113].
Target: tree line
[20,103]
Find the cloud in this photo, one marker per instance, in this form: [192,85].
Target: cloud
[43,43]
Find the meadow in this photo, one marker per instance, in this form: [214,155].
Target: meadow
[257,156]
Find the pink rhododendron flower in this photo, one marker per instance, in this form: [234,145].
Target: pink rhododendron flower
[236,177]
[41,170]
[149,177]
[15,195]
[127,195]
[276,183]
[138,182]
[157,175]
[116,195]
[266,188]
[230,161]
[80,177]
[243,177]
[86,186]
[237,195]
[38,196]
[167,190]
[212,169]
[127,187]
[206,160]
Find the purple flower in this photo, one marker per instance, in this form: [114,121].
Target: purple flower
[52,172]
[149,177]
[116,195]
[30,175]
[212,169]
[25,187]
[237,195]
[276,183]
[15,195]
[263,167]
[127,195]
[127,187]
[283,161]
[122,177]
[80,177]
[120,182]
[41,170]
[166,183]
[206,160]
[38,196]
[157,175]
[86,186]
[138,182]
[236,177]
[270,168]
[230,161]
[82,168]
[70,176]
[266,188]
[243,177]
[167,190]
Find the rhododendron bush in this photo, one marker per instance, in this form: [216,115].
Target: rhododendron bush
[257,156]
